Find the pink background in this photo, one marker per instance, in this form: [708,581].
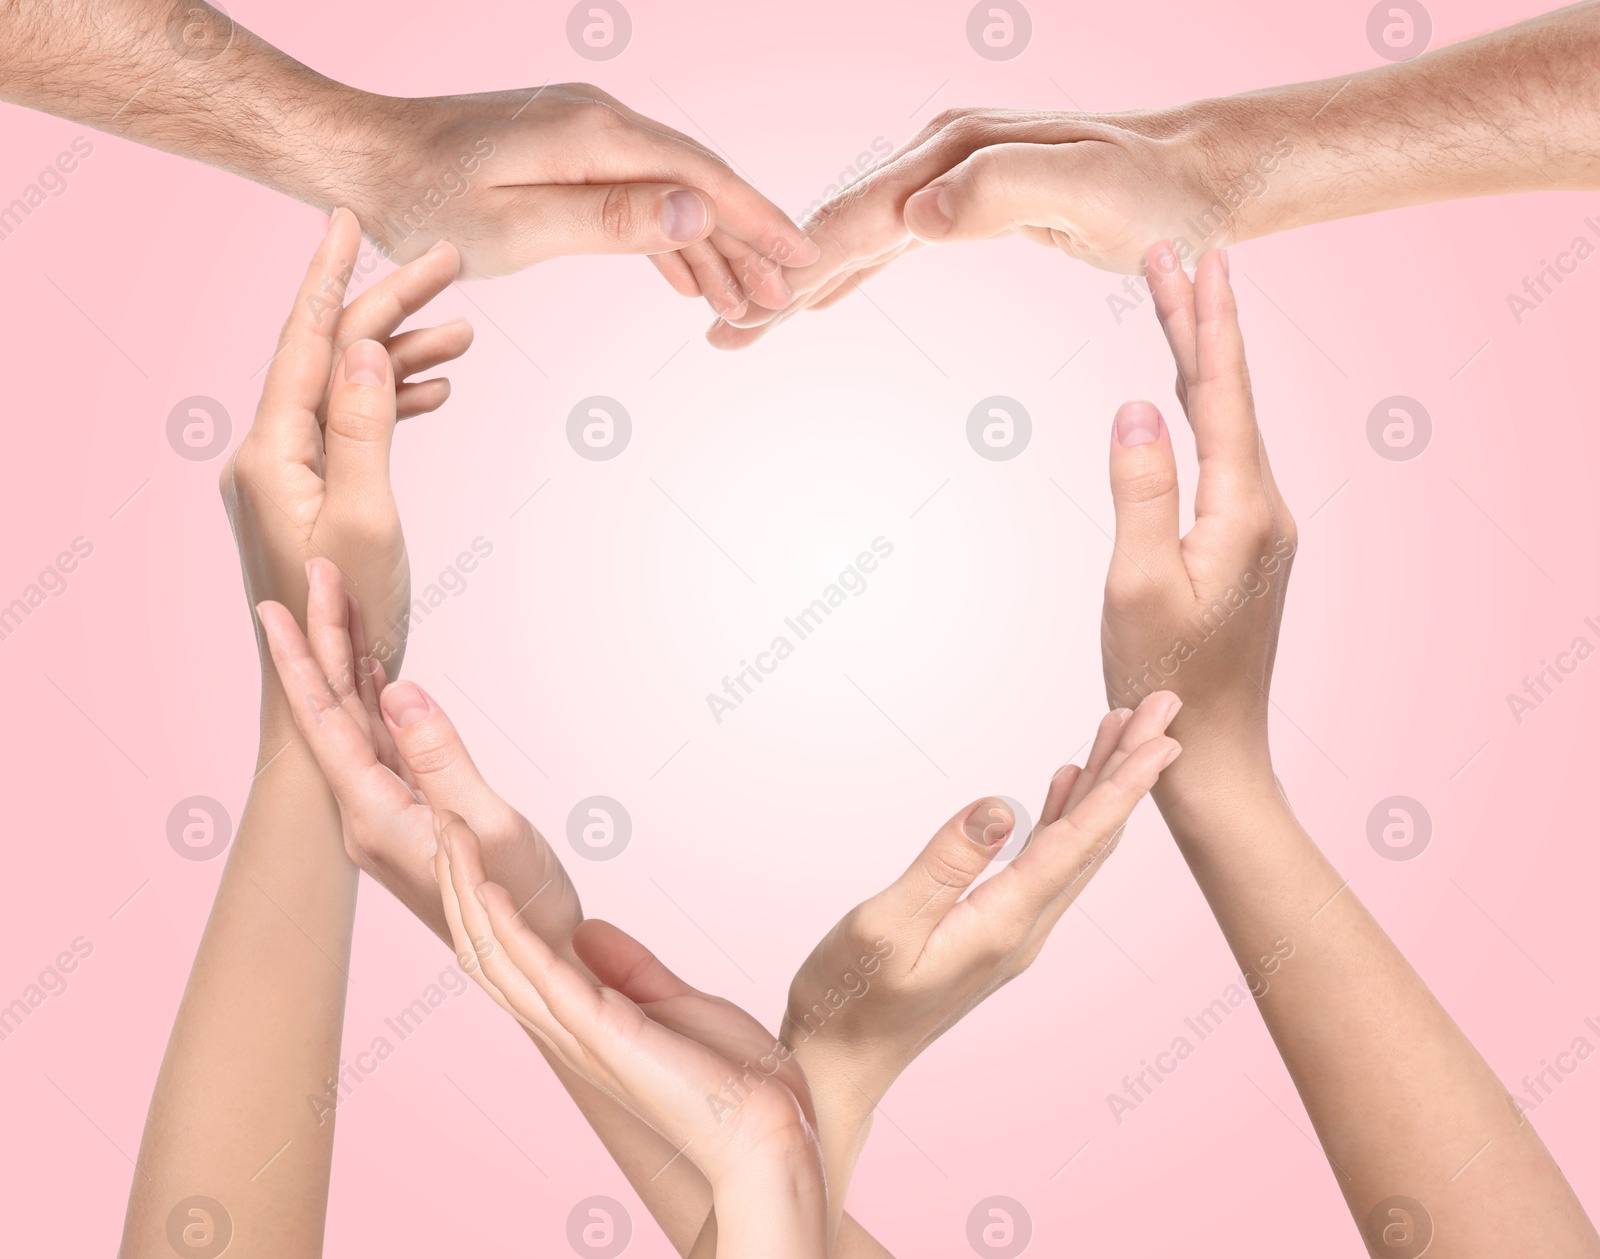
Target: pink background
[1424,592]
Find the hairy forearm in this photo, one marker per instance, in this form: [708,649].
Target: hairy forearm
[258,1031]
[186,79]
[1403,1103]
[1514,111]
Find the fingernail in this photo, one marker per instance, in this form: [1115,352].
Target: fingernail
[404,704]
[684,215]
[929,212]
[1172,710]
[988,826]
[477,892]
[1222,255]
[1166,260]
[1138,424]
[1173,753]
[366,363]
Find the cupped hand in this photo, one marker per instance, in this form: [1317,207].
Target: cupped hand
[1100,188]
[311,478]
[694,1067]
[515,178]
[1198,614]
[902,968]
[394,760]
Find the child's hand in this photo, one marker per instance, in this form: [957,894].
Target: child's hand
[311,479]
[696,1068]
[393,759]
[1199,614]
[905,966]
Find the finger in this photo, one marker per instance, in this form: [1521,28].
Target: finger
[678,273]
[360,430]
[1149,721]
[716,280]
[421,397]
[423,349]
[437,760]
[619,218]
[1221,410]
[328,633]
[298,377]
[470,935]
[760,277]
[1174,303]
[994,191]
[1105,743]
[376,314]
[953,859]
[1055,798]
[621,962]
[342,749]
[1144,495]
[1054,868]
[550,993]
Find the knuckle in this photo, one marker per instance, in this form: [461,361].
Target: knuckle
[1149,485]
[429,751]
[617,213]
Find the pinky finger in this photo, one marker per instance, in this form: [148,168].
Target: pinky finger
[421,397]
[1055,799]
[677,273]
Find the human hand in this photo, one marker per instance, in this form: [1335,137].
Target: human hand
[696,1068]
[902,968]
[1199,614]
[311,478]
[514,178]
[393,760]
[1100,188]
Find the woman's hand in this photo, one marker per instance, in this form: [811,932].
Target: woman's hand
[901,969]
[1199,614]
[311,478]
[696,1068]
[393,759]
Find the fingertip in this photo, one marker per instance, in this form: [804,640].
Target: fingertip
[989,822]
[1160,260]
[930,213]
[404,703]
[366,363]
[1138,423]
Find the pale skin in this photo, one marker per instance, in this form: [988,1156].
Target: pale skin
[1517,110]
[1404,1106]
[902,968]
[396,765]
[259,1027]
[511,177]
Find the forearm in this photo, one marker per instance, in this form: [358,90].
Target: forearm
[242,1108]
[1513,111]
[190,81]
[1403,1103]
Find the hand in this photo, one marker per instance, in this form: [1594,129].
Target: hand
[696,1068]
[902,968]
[311,478]
[1099,188]
[514,178]
[393,760]
[1199,615]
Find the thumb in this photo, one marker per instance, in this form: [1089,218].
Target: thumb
[619,961]
[610,218]
[1144,491]
[995,190]
[441,769]
[360,427]
[953,859]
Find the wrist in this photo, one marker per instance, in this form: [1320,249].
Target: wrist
[773,1204]
[1219,799]
[1243,155]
